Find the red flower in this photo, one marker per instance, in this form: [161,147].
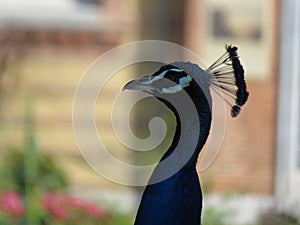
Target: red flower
[54,203]
[75,203]
[89,208]
[63,207]
[11,203]
[94,210]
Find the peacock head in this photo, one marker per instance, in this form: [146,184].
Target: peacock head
[169,79]
[225,75]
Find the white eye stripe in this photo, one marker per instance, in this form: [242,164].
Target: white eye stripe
[183,82]
[171,90]
[161,75]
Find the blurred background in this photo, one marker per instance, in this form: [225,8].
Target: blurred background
[45,48]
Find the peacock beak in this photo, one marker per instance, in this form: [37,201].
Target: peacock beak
[140,84]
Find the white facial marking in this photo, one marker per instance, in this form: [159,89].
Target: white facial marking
[161,75]
[172,90]
[183,82]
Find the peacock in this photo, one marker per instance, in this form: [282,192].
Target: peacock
[177,200]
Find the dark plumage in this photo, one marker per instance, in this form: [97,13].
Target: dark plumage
[177,200]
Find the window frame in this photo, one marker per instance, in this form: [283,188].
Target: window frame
[288,130]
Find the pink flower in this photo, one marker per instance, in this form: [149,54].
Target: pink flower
[54,203]
[64,207]
[75,203]
[12,204]
[89,208]
[94,210]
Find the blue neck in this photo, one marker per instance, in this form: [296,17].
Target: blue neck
[185,129]
[204,120]
[178,199]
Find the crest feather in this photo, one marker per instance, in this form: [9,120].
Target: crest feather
[229,78]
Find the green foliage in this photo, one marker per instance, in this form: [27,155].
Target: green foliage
[206,181]
[35,197]
[273,217]
[47,176]
[32,190]
[58,208]
[120,219]
[214,216]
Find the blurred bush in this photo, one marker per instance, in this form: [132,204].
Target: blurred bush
[214,216]
[33,190]
[35,194]
[46,175]
[56,208]
[274,217]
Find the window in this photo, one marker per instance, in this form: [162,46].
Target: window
[90,2]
